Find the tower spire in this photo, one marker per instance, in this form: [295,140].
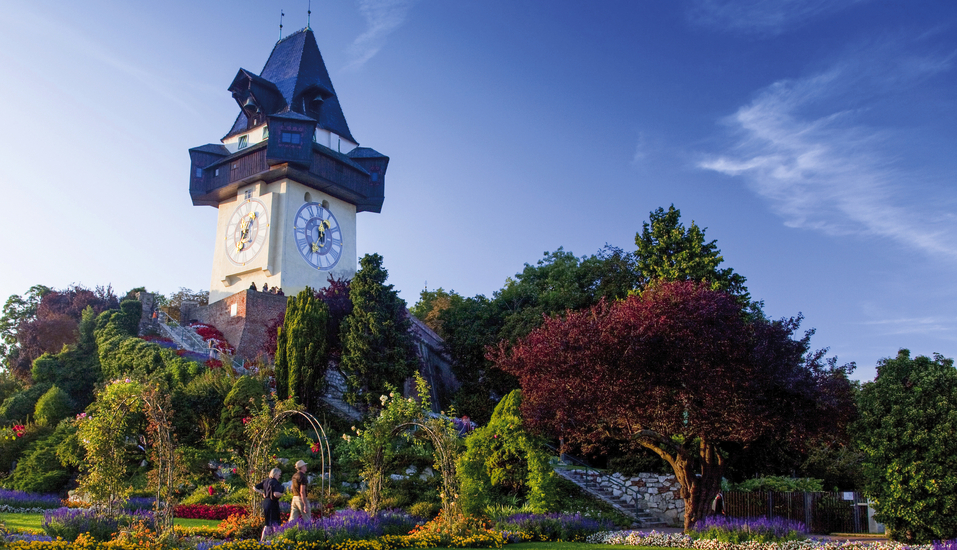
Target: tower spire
[309,16]
[281,14]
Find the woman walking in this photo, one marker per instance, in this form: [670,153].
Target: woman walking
[271,490]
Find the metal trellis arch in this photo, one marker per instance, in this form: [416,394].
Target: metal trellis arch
[262,443]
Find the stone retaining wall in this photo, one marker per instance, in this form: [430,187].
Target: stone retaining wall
[659,494]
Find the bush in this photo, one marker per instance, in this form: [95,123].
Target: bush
[502,460]
[209,511]
[40,470]
[906,433]
[779,484]
[20,406]
[52,407]
[424,510]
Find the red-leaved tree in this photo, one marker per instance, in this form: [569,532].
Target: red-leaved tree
[680,370]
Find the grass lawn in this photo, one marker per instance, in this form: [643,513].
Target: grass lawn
[16,522]
[32,521]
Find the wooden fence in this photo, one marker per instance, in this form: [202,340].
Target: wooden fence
[821,513]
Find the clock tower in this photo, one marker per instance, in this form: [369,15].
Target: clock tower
[288,178]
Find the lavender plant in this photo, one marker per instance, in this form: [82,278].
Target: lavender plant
[68,523]
[347,525]
[553,527]
[735,530]
[22,500]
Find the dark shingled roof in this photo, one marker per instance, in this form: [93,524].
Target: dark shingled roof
[214,148]
[365,153]
[296,68]
[293,115]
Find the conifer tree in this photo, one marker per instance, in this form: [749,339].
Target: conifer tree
[302,350]
[376,345]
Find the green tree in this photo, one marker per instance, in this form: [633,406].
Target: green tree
[53,406]
[430,306]
[557,283]
[502,459]
[243,400]
[377,348]
[40,470]
[669,252]
[18,311]
[908,417]
[302,351]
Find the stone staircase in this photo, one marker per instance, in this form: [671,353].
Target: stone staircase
[620,498]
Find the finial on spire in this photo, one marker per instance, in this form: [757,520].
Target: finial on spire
[309,16]
[281,14]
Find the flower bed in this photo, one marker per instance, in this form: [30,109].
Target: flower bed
[346,525]
[211,333]
[758,529]
[549,527]
[21,502]
[70,523]
[209,511]
[680,540]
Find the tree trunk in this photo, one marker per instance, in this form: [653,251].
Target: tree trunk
[704,487]
[697,491]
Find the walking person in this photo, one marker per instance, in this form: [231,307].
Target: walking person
[271,490]
[300,494]
[717,505]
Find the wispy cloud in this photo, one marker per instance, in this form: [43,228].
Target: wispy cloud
[382,18]
[941,326]
[761,16]
[802,145]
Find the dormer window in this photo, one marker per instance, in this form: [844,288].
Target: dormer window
[243,141]
[293,138]
[265,133]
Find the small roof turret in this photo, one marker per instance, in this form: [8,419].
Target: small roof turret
[294,79]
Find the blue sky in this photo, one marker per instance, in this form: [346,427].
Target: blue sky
[814,139]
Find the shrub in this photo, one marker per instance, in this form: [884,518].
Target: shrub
[40,469]
[424,510]
[778,484]
[207,511]
[503,460]
[21,405]
[52,407]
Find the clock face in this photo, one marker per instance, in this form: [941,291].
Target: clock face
[246,231]
[318,236]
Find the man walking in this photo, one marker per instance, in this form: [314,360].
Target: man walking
[300,494]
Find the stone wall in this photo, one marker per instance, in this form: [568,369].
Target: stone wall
[659,494]
[242,318]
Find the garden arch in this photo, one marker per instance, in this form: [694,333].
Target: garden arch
[442,444]
[258,463]
[106,455]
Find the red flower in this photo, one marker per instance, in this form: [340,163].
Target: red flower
[315,447]
[211,491]
[19,430]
